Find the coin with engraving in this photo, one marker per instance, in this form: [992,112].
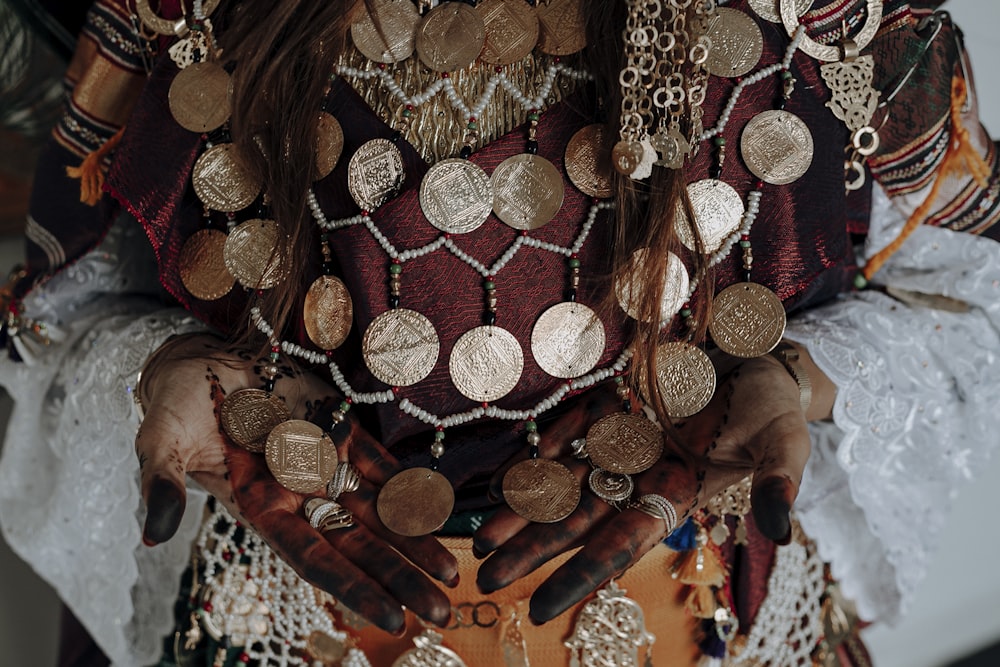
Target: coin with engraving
[672,146]
[199,97]
[769,11]
[737,43]
[718,211]
[375,173]
[748,320]
[456,195]
[527,191]
[611,487]
[686,378]
[234,609]
[511,30]
[486,363]
[400,347]
[251,254]
[300,456]
[626,156]
[624,443]
[567,340]
[633,282]
[248,416]
[221,181]
[328,312]
[832,52]
[541,490]
[563,27]
[777,147]
[202,267]
[325,648]
[329,144]
[588,161]
[416,501]
[399,20]
[450,37]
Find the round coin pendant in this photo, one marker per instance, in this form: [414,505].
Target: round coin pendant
[375,173]
[329,144]
[541,490]
[568,340]
[737,43]
[768,9]
[527,191]
[415,502]
[202,267]
[325,648]
[249,415]
[718,211]
[748,320]
[625,444]
[511,31]
[199,97]
[456,195]
[251,254]
[563,27]
[610,487]
[450,37]
[626,156]
[777,147]
[399,20]
[686,378]
[588,161]
[400,347]
[221,181]
[301,456]
[328,312]
[633,281]
[486,363]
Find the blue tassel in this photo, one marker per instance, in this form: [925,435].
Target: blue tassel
[712,646]
[684,536]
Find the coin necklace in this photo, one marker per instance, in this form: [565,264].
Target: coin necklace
[249,415]
[537,489]
[198,97]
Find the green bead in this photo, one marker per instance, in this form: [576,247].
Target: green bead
[489,284]
[395,269]
[744,244]
[439,435]
[786,75]
[619,381]
[532,427]
[719,141]
[473,125]
[533,116]
[860,282]
[345,406]
[275,356]
[685,312]
[574,264]
[407,113]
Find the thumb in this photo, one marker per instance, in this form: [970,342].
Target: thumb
[778,474]
[162,471]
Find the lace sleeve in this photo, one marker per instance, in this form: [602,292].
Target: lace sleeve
[915,412]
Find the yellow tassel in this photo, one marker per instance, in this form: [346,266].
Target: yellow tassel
[91,170]
[700,567]
[961,154]
[701,602]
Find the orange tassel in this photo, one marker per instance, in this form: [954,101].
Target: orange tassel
[961,154]
[91,170]
[701,602]
[700,567]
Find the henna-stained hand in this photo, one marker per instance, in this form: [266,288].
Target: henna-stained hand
[369,569]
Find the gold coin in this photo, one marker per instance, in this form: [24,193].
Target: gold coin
[541,490]
[251,254]
[375,173]
[567,340]
[768,9]
[236,610]
[329,144]
[718,212]
[248,416]
[611,487]
[737,43]
[415,502]
[777,147]
[325,648]
[588,161]
[626,156]
[633,282]
[686,378]
[328,312]
[486,363]
[511,30]
[456,195]
[400,347]
[623,443]
[748,320]
[199,97]
[202,267]
[450,37]
[527,191]
[301,456]
[399,20]
[221,181]
[563,27]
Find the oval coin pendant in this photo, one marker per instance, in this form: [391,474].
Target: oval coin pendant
[737,43]
[777,147]
[301,456]
[610,487]
[329,144]
[527,191]
[328,312]
[375,173]
[626,156]
[202,266]
[486,363]
[686,377]
[511,31]
[251,254]
[199,97]
[450,37]
[249,415]
[718,211]
[400,347]
[568,340]
[563,27]
[625,444]
[399,20]
[221,181]
[748,320]
[588,161]
[415,502]
[541,490]
[456,195]
[675,289]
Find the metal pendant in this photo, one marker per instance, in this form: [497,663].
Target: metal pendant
[609,631]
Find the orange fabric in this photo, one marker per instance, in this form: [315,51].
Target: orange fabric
[91,171]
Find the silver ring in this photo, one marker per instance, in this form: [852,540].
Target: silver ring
[326,515]
[346,479]
[658,507]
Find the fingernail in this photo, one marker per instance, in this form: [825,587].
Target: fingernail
[478,553]
[451,583]
[166,508]
[774,506]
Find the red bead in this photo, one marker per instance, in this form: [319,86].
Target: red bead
[409,107]
[349,400]
[445,75]
[524,232]
[744,237]
[439,428]
[328,353]
[204,137]
[557,59]
[472,119]
[364,213]
[275,348]
[227,555]
[381,66]
[758,185]
[395,390]
[244,658]
[260,292]
[595,200]
[484,405]
[207,607]
[498,69]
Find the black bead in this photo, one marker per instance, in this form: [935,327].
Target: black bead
[490,318]
[269,386]
[571,296]
[532,146]
[533,451]
[465,153]
[327,268]
[396,136]
[394,301]
[627,405]
[434,464]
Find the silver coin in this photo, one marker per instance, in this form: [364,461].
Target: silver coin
[399,20]
[737,43]
[456,196]
[609,486]
[527,191]
[777,147]
[633,282]
[686,378]
[768,9]
[375,173]
[567,340]
[251,254]
[221,181]
[400,347]
[748,320]
[718,211]
[486,363]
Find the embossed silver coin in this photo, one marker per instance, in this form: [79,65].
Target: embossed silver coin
[748,320]
[686,378]
[199,97]
[202,267]
[527,191]
[328,312]
[221,181]
[541,490]
[450,37]
[611,487]
[624,443]
[329,144]
[568,340]
[400,347]
[737,43]
[634,281]
[511,30]
[375,173]
[456,195]
[718,212]
[300,456]
[251,254]
[248,416]
[399,20]
[486,363]
[777,147]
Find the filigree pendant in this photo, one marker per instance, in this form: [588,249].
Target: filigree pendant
[853,98]
[428,652]
[609,631]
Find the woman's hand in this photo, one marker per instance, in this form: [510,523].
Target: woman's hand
[368,568]
[754,424]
